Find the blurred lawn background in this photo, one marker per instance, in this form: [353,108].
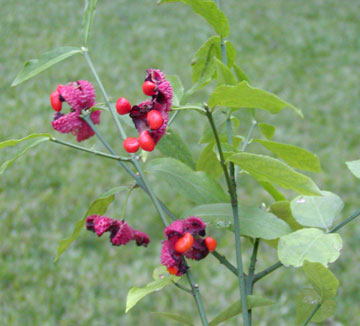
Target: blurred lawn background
[305,51]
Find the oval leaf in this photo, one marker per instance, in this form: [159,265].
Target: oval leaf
[245,96]
[22,151]
[306,301]
[297,157]
[274,171]
[235,309]
[309,244]
[324,282]
[45,61]
[13,142]
[209,163]
[89,12]
[136,294]
[196,186]
[267,130]
[354,167]
[317,211]
[282,210]
[254,222]
[179,318]
[173,146]
[97,207]
[223,74]
[210,11]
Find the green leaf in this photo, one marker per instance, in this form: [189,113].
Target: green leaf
[13,142]
[179,318]
[323,281]
[297,157]
[245,96]
[306,301]
[173,146]
[267,130]
[309,244]
[209,163]
[254,222]
[22,151]
[317,211]
[210,11]
[136,294]
[282,210]
[224,74]
[177,87]
[354,167]
[266,168]
[196,186]
[276,194]
[240,75]
[235,309]
[97,207]
[89,12]
[230,53]
[203,65]
[45,61]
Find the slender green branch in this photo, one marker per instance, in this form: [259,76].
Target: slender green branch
[143,184]
[123,211]
[254,257]
[151,193]
[196,294]
[247,139]
[84,149]
[102,89]
[182,287]
[173,118]
[346,221]
[267,271]
[317,307]
[249,279]
[222,260]
[234,205]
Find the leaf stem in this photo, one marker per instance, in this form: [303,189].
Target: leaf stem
[222,259]
[196,294]
[231,183]
[346,221]
[317,307]
[267,271]
[173,117]
[84,149]
[182,287]
[102,89]
[247,139]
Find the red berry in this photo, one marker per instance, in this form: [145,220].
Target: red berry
[173,270]
[210,243]
[59,86]
[123,106]
[185,243]
[149,88]
[146,142]
[55,101]
[154,119]
[131,144]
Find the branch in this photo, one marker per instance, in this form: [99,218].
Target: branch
[222,259]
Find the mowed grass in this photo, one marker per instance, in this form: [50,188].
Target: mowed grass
[306,52]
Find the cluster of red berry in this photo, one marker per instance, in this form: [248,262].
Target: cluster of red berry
[153,117]
[185,243]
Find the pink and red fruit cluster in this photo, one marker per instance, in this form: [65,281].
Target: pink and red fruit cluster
[80,96]
[151,116]
[185,239]
[120,232]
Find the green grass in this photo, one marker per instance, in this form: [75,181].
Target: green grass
[306,52]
